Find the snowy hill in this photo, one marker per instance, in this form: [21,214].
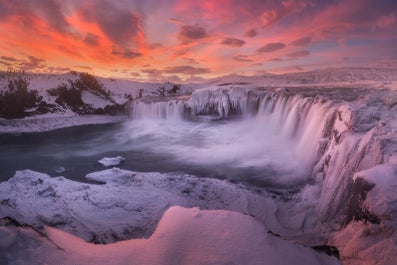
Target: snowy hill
[24,94]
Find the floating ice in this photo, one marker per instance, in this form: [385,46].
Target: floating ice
[111,161]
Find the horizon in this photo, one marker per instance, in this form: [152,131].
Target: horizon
[181,41]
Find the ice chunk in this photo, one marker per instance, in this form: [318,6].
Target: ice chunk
[111,161]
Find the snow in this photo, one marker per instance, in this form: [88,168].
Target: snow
[382,199]
[93,100]
[111,161]
[183,236]
[128,204]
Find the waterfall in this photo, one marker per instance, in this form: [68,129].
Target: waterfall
[300,119]
[162,110]
[218,101]
[307,138]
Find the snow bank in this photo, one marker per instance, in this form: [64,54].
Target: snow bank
[128,205]
[373,242]
[183,236]
[50,122]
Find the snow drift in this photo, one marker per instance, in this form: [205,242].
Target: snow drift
[183,236]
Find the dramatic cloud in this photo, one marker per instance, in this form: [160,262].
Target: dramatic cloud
[233,42]
[251,33]
[51,11]
[301,42]
[171,35]
[120,25]
[186,69]
[272,47]
[189,33]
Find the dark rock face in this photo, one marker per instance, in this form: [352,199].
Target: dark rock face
[329,250]
[355,210]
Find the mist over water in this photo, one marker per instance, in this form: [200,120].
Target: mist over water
[275,147]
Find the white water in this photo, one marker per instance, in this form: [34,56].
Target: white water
[281,139]
[170,110]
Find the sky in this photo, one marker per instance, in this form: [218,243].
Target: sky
[178,40]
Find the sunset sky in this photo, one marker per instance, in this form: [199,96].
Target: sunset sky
[180,39]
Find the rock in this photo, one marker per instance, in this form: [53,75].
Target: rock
[329,250]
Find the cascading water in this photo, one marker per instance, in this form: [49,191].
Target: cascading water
[277,134]
[166,110]
[287,139]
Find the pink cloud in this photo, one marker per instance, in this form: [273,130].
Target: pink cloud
[251,33]
[233,42]
[271,47]
[287,8]
[298,54]
[301,42]
[385,21]
[189,33]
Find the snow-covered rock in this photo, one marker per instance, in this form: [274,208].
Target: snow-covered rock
[111,161]
[183,236]
[128,205]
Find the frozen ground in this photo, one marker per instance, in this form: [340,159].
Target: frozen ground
[183,236]
[339,126]
[51,122]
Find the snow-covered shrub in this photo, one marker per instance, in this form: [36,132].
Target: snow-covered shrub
[16,101]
